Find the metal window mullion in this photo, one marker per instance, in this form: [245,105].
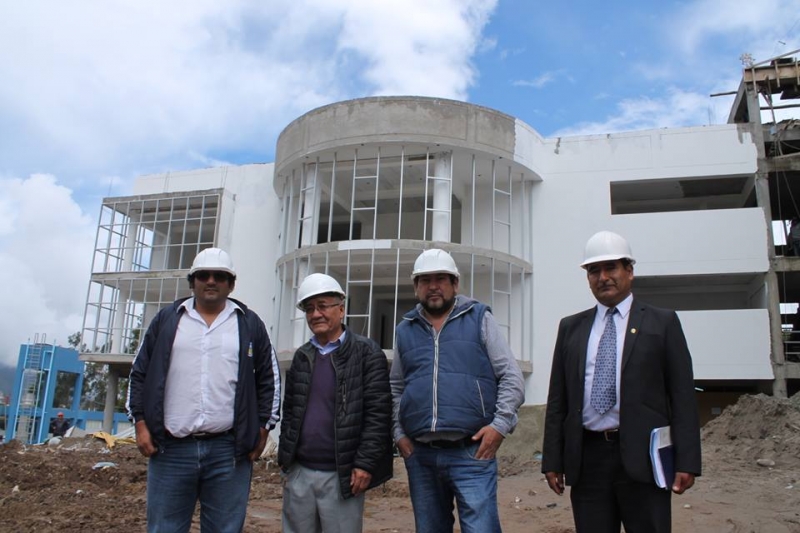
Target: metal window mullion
[523,341]
[347,278]
[491,283]
[450,200]
[314,237]
[510,208]
[399,235]
[182,244]
[168,243]
[331,203]
[352,203]
[425,198]
[280,280]
[301,211]
[494,213]
[284,221]
[292,229]
[474,174]
[374,236]
[508,299]
[375,204]
[109,233]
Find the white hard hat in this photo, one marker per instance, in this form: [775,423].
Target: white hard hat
[316,284]
[606,246]
[434,261]
[213,259]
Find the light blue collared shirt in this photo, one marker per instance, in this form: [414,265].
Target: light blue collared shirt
[331,346]
[592,420]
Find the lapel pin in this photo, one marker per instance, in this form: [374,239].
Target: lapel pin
[633,330]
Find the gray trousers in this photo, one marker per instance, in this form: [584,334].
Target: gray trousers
[312,503]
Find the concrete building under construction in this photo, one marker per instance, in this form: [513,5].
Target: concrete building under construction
[360,187]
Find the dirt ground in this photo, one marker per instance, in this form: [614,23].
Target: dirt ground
[66,487]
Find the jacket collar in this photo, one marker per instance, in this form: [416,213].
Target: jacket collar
[462,304]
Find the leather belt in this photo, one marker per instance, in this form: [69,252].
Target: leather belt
[202,435]
[447,444]
[608,435]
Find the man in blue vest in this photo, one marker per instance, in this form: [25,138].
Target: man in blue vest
[456,390]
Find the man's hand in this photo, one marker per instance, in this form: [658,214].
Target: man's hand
[491,439]
[405,447]
[144,441]
[556,482]
[359,481]
[683,482]
[262,443]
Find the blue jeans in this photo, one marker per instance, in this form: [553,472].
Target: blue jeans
[437,476]
[185,470]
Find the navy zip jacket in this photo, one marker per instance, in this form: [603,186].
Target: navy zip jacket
[257,400]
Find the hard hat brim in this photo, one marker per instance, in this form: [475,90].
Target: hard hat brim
[607,257]
[212,269]
[300,303]
[415,275]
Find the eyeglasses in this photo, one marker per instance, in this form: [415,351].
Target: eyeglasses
[218,275]
[322,307]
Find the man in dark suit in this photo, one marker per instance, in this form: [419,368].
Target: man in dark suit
[620,369]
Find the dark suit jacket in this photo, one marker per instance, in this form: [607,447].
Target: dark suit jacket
[656,389]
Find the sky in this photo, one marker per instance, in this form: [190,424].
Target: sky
[93,94]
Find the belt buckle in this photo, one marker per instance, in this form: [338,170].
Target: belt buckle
[611,435]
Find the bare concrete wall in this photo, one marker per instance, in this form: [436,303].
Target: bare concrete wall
[526,441]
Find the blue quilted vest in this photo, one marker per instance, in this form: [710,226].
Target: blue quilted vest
[450,384]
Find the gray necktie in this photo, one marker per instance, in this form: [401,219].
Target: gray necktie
[604,385]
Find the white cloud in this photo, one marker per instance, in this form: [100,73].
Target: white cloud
[676,109]
[417,47]
[45,256]
[97,93]
[538,82]
[759,26]
[127,87]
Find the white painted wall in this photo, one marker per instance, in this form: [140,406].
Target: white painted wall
[732,344]
[570,204]
[573,202]
[249,223]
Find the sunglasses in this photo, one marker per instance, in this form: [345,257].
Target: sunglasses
[218,275]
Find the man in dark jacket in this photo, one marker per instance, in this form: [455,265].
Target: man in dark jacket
[59,426]
[336,427]
[204,392]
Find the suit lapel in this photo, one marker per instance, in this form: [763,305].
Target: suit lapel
[584,330]
[634,327]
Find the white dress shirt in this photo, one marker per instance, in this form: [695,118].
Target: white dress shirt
[592,420]
[203,372]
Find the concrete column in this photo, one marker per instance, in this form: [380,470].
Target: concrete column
[112,385]
[442,189]
[771,278]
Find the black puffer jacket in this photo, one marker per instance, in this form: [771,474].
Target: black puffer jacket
[363,409]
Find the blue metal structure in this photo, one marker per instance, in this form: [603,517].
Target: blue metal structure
[48,380]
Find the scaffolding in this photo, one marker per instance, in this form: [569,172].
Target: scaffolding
[29,423]
[777,188]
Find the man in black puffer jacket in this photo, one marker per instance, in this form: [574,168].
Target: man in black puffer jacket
[336,426]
